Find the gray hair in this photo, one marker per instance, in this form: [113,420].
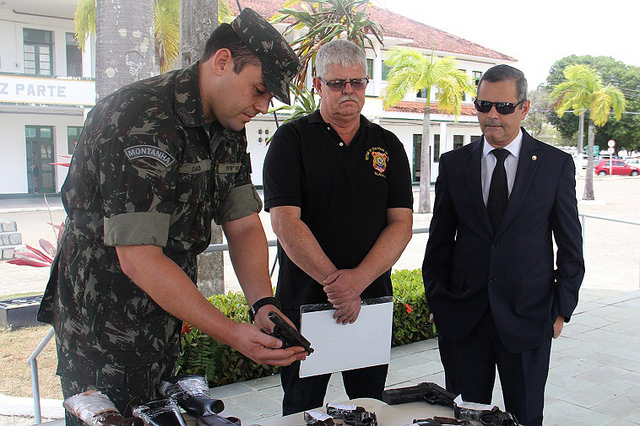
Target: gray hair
[340,52]
[505,72]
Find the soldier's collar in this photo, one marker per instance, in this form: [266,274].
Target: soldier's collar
[188,104]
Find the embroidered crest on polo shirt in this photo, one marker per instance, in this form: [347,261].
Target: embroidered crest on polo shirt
[379,158]
[149,151]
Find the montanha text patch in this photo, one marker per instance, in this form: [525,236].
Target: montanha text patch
[149,151]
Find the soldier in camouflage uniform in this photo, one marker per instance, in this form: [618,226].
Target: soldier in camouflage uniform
[156,162]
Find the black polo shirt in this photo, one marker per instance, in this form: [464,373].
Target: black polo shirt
[343,192]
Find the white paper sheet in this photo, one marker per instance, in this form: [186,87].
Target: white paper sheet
[340,347]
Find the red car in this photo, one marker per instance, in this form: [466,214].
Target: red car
[616,167]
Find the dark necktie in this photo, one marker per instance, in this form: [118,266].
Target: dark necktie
[498,191]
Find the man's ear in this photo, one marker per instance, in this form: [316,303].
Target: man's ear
[221,61]
[317,84]
[526,105]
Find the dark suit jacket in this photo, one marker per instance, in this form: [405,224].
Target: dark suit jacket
[467,268]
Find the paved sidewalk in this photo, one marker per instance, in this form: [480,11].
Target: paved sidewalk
[594,377]
[595,365]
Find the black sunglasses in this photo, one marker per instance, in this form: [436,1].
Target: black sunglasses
[356,83]
[504,108]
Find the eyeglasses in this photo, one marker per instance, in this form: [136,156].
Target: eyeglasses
[504,108]
[356,83]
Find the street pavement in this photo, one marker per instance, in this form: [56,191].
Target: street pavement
[594,377]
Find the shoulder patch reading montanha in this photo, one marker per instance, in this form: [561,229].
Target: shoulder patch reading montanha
[149,151]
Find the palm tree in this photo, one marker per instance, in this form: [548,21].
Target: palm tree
[411,70]
[166,26]
[326,20]
[584,91]
[165,21]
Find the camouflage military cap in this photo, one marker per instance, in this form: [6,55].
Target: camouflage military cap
[279,63]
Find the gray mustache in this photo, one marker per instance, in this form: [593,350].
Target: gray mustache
[348,98]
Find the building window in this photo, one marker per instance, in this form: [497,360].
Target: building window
[458,141]
[38,52]
[370,67]
[385,71]
[74,57]
[417,156]
[73,135]
[477,75]
[464,94]
[422,94]
[436,148]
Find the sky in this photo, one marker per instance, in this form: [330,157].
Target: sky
[536,33]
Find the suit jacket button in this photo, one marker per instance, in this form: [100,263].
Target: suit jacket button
[492,280]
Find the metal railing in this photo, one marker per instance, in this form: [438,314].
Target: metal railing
[32,361]
[608,219]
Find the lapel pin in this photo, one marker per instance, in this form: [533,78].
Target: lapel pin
[534,157]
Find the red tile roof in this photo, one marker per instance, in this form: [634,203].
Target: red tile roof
[394,25]
[418,107]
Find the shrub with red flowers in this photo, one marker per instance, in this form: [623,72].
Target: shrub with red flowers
[410,311]
[200,354]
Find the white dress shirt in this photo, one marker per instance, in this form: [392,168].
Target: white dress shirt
[488,163]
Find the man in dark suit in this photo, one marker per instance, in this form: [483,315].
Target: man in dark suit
[496,294]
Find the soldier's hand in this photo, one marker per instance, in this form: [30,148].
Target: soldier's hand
[265,349]
[263,322]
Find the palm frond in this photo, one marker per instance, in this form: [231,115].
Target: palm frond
[167,33]
[584,90]
[84,19]
[412,70]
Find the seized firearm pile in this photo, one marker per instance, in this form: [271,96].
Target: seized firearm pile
[463,411]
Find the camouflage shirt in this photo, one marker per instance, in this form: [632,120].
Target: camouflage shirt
[147,171]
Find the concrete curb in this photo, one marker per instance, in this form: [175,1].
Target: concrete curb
[20,406]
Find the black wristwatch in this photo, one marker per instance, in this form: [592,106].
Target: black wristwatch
[253,310]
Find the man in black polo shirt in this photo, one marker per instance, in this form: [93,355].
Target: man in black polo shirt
[338,189]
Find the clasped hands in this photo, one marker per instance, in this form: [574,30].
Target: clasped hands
[343,288]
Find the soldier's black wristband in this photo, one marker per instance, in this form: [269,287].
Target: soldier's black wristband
[253,310]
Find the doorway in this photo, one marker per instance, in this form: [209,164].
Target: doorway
[40,172]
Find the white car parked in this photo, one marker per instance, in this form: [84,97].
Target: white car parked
[633,161]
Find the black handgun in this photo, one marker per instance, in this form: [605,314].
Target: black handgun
[288,334]
[217,420]
[425,391]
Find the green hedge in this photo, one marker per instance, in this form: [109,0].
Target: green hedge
[223,365]
[410,311]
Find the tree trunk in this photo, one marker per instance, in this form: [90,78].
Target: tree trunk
[424,197]
[580,140]
[125,49]
[198,18]
[588,182]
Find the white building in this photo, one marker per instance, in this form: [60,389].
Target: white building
[47,86]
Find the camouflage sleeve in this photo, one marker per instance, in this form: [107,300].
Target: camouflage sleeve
[131,229]
[138,183]
[240,202]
